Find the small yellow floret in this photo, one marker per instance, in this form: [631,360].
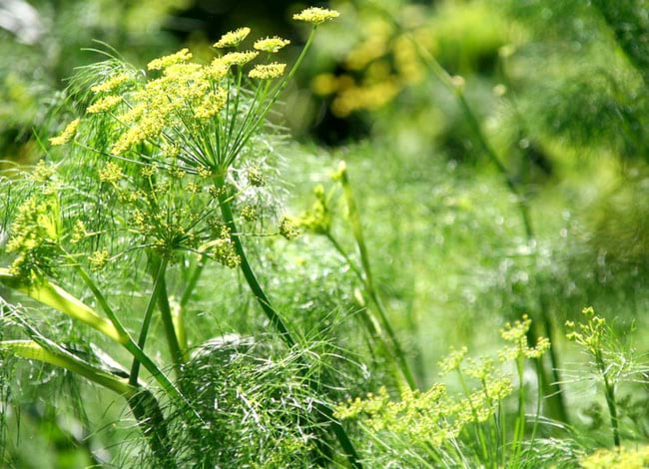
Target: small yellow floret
[236,58]
[267,72]
[316,16]
[181,56]
[233,38]
[147,128]
[111,173]
[217,70]
[104,104]
[67,133]
[98,260]
[271,44]
[212,104]
[111,83]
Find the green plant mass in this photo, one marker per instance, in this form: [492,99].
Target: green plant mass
[358,235]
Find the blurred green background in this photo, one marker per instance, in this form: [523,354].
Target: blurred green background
[557,86]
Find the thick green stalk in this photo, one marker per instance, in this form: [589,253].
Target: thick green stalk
[192,282]
[177,356]
[275,319]
[50,294]
[54,296]
[142,402]
[151,420]
[54,355]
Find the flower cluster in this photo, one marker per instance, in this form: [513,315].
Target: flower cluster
[319,218]
[271,44]
[267,72]
[628,458]
[416,416]
[589,335]
[36,234]
[452,361]
[222,249]
[316,16]
[233,38]
[289,228]
[67,133]
[517,334]
[112,83]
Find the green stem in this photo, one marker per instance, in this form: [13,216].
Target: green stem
[142,402]
[275,319]
[519,430]
[55,355]
[192,282]
[609,391]
[367,278]
[477,428]
[147,412]
[177,356]
[148,314]
[130,344]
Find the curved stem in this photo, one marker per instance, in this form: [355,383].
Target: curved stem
[131,346]
[142,402]
[276,320]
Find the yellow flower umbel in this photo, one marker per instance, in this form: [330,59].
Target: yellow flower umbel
[161,63]
[232,39]
[316,16]
[589,335]
[111,173]
[104,104]
[67,133]
[271,44]
[201,111]
[98,259]
[111,84]
[236,58]
[267,72]
[212,104]
[517,334]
